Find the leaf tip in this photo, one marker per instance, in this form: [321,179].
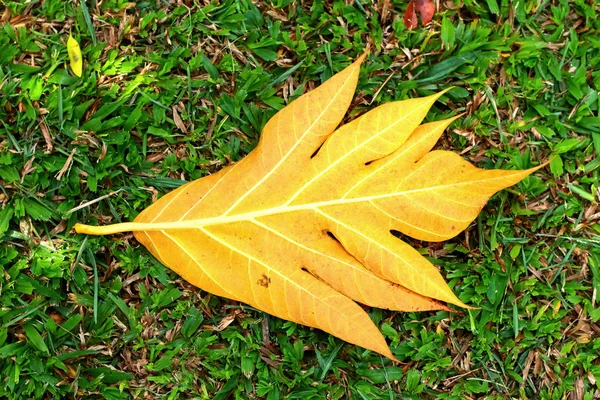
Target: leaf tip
[542,165]
[444,91]
[453,299]
[362,57]
[434,97]
[388,353]
[394,359]
[531,170]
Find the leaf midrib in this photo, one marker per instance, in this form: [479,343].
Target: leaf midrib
[226,219]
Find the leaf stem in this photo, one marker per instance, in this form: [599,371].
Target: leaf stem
[315,207]
[110,229]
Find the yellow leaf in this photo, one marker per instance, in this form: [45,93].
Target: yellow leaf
[303,225]
[75,57]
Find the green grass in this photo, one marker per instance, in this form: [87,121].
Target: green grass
[171,93]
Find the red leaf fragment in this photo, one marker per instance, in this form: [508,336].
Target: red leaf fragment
[410,16]
[425,8]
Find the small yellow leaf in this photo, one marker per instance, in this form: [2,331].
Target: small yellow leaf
[75,56]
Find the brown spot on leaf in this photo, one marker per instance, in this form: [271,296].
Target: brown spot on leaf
[264,281]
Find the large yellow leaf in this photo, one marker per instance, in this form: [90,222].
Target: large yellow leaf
[301,235]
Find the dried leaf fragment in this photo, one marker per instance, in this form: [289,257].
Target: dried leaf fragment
[410,16]
[426,9]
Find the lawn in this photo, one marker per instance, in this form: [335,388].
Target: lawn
[175,90]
